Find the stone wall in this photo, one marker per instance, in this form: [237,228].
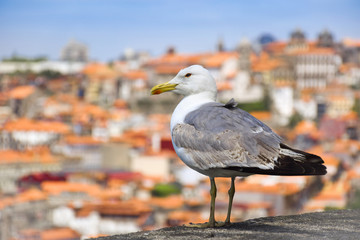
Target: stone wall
[340,224]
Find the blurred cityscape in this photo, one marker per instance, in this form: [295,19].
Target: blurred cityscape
[85,150]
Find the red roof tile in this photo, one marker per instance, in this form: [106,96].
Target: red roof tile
[22,92]
[99,71]
[134,75]
[25,124]
[59,234]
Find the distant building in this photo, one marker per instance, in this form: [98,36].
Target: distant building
[23,100]
[325,39]
[283,104]
[316,68]
[297,41]
[244,90]
[220,45]
[74,52]
[63,67]
[350,50]
[28,210]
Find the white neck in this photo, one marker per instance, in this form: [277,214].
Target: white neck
[189,104]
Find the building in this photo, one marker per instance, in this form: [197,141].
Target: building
[74,52]
[62,67]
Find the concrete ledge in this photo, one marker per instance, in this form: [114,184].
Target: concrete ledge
[340,224]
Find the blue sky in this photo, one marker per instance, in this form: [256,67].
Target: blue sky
[42,27]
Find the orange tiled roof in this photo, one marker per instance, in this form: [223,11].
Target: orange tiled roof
[56,85]
[110,193]
[3,97]
[350,116]
[171,202]
[346,146]
[99,71]
[59,234]
[68,98]
[262,115]
[353,174]
[136,138]
[136,74]
[173,63]
[4,202]
[314,50]
[256,205]
[348,42]
[279,188]
[134,142]
[163,153]
[283,83]
[120,113]
[328,158]
[120,103]
[81,140]
[131,207]
[276,47]
[305,127]
[185,217]
[345,67]
[223,86]
[62,99]
[89,109]
[215,60]
[31,195]
[42,155]
[265,63]
[22,92]
[163,118]
[169,69]
[25,124]
[176,59]
[334,191]
[58,187]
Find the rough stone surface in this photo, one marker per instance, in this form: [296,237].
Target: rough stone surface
[340,224]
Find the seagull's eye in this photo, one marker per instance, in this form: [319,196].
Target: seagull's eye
[188,75]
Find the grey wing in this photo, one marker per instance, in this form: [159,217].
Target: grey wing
[220,136]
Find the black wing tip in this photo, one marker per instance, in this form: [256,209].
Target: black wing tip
[298,171]
[310,165]
[288,166]
[311,158]
[321,170]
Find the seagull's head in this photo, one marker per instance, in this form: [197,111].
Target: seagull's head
[191,80]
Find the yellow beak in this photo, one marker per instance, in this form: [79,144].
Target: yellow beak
[164,87]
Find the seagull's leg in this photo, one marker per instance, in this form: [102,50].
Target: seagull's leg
[231,196]
[212,204]
[211,222]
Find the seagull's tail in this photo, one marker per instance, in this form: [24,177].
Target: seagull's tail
[296,162]
[290,162]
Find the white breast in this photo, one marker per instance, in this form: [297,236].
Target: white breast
[187,105]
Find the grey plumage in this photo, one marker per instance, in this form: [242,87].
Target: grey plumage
[222,136]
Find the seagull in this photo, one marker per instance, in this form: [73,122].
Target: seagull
[221,140]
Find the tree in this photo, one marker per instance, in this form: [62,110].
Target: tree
[166,189]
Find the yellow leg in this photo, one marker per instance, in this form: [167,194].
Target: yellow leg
[231,196]
[211,222]
[213,191]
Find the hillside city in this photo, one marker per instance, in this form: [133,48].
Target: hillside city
[85,151]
